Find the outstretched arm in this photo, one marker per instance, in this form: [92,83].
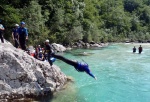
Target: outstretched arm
[91,75]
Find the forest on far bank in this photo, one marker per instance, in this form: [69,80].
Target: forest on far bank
[67,21]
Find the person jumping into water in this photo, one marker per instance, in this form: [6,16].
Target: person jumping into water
[79,66]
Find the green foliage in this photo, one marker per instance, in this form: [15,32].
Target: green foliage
[132,5]
[34,20]
[67,21]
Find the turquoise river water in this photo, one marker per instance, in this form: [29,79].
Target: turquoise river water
[121,75]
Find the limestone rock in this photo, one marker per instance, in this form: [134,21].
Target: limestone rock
[22,75]
[95,45]
[59,47]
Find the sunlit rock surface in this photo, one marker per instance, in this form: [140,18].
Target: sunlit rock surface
[22,75]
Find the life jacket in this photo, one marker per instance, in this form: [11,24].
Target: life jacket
[15,32]
[22,33]
[32,54]
[48,48]
[40,55]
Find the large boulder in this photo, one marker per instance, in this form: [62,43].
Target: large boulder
[58,47]
[95,45]
[21,75]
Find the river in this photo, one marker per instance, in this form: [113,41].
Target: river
[121,75]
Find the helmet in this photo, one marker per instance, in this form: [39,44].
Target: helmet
[22,23]
[16,25]
[47,40]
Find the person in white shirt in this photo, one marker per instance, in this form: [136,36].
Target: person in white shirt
[1,32]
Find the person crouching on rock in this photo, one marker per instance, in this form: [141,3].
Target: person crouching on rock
[40,56]
[140,49]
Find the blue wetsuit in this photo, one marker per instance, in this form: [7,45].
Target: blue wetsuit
[22,32]
[79,66]
[83,67]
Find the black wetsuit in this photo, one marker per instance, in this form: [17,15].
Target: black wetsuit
[49,51]
[70,62]
[134,50]
[140,50]
[16,37]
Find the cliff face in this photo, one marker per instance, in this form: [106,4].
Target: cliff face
[22,75]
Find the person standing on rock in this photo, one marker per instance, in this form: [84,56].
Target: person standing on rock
[48,51]
[23,35]
[1,32]
[15,36]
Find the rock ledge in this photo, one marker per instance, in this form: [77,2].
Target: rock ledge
[23,76]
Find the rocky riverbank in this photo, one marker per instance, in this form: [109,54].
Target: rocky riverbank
[81,44]
[23,76]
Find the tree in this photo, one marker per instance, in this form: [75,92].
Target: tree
[34,21]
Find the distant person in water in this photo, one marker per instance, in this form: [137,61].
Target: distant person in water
[79,66]
[134,49]
[140,49]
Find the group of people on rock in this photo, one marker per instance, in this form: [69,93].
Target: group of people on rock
[40,53]
[20,36]
[140,49]
[37,53]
